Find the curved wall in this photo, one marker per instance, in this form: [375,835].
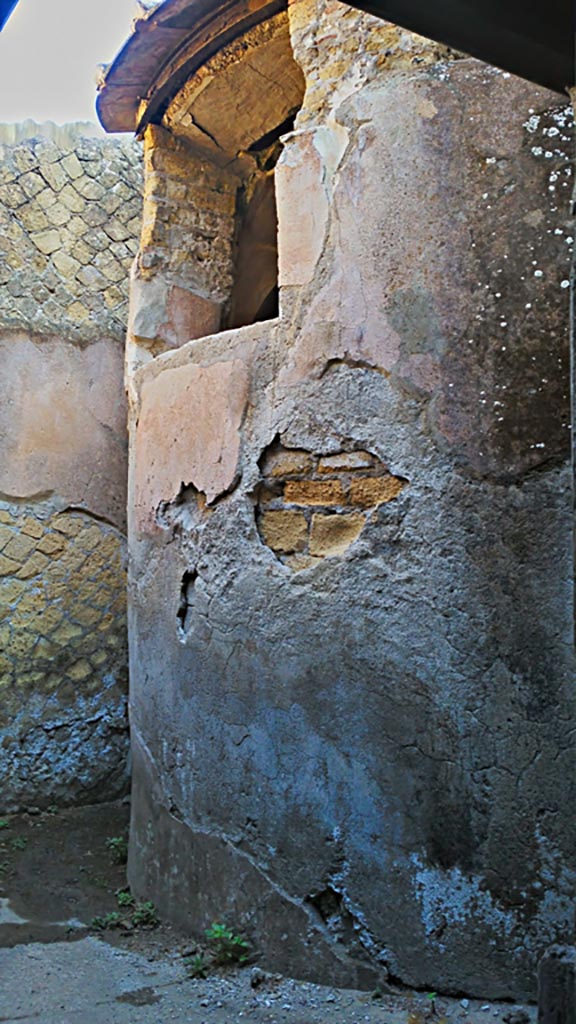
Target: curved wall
[351,589]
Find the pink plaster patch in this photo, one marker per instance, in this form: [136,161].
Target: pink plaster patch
[341,324]
[302,206]
[188,317]
[188,433]
[63,422]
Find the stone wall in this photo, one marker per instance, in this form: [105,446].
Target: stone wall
[351,590]
[184,267]
[69,218]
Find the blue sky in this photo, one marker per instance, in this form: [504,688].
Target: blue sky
[48,55]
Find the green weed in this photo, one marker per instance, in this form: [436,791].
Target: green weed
[117,847]
[196,966]
[145,915]
[124,898]
[111,920]
[226,946]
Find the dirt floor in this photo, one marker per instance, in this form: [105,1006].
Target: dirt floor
[73,947]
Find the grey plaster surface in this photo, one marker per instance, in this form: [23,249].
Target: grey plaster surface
[364,764]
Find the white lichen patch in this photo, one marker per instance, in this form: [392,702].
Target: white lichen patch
[456,898]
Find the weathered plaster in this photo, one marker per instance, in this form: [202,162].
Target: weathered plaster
[63,423]
[211,400]
[364,762]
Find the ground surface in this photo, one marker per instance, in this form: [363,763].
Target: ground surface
[56,876]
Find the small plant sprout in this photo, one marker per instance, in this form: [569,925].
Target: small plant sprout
[227,947]
[196,966]
[432,996]
[4,823]
[106,921]
[118,849]
[145,915]
[19,843]
[124,898]
[131,915]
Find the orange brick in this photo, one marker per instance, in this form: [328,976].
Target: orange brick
[287,462]
[375,490]
[314,492]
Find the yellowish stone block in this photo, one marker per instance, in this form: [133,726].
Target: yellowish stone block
[284,531]
[19,547]
[69,524]
[332,534]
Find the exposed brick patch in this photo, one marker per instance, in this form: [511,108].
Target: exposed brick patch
[188,217]
[314,506]
[288,462]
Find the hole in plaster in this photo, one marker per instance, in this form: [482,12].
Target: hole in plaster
[182,512]
[332,365]
[312,506]
[183,614]
[346,927]
[330,905]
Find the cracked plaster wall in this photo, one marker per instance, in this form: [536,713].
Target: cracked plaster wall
[70,218]
[365,759]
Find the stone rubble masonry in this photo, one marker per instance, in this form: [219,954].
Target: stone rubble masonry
[70,214]
[183,274]
[187,225]
[356,50]
[70,205]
